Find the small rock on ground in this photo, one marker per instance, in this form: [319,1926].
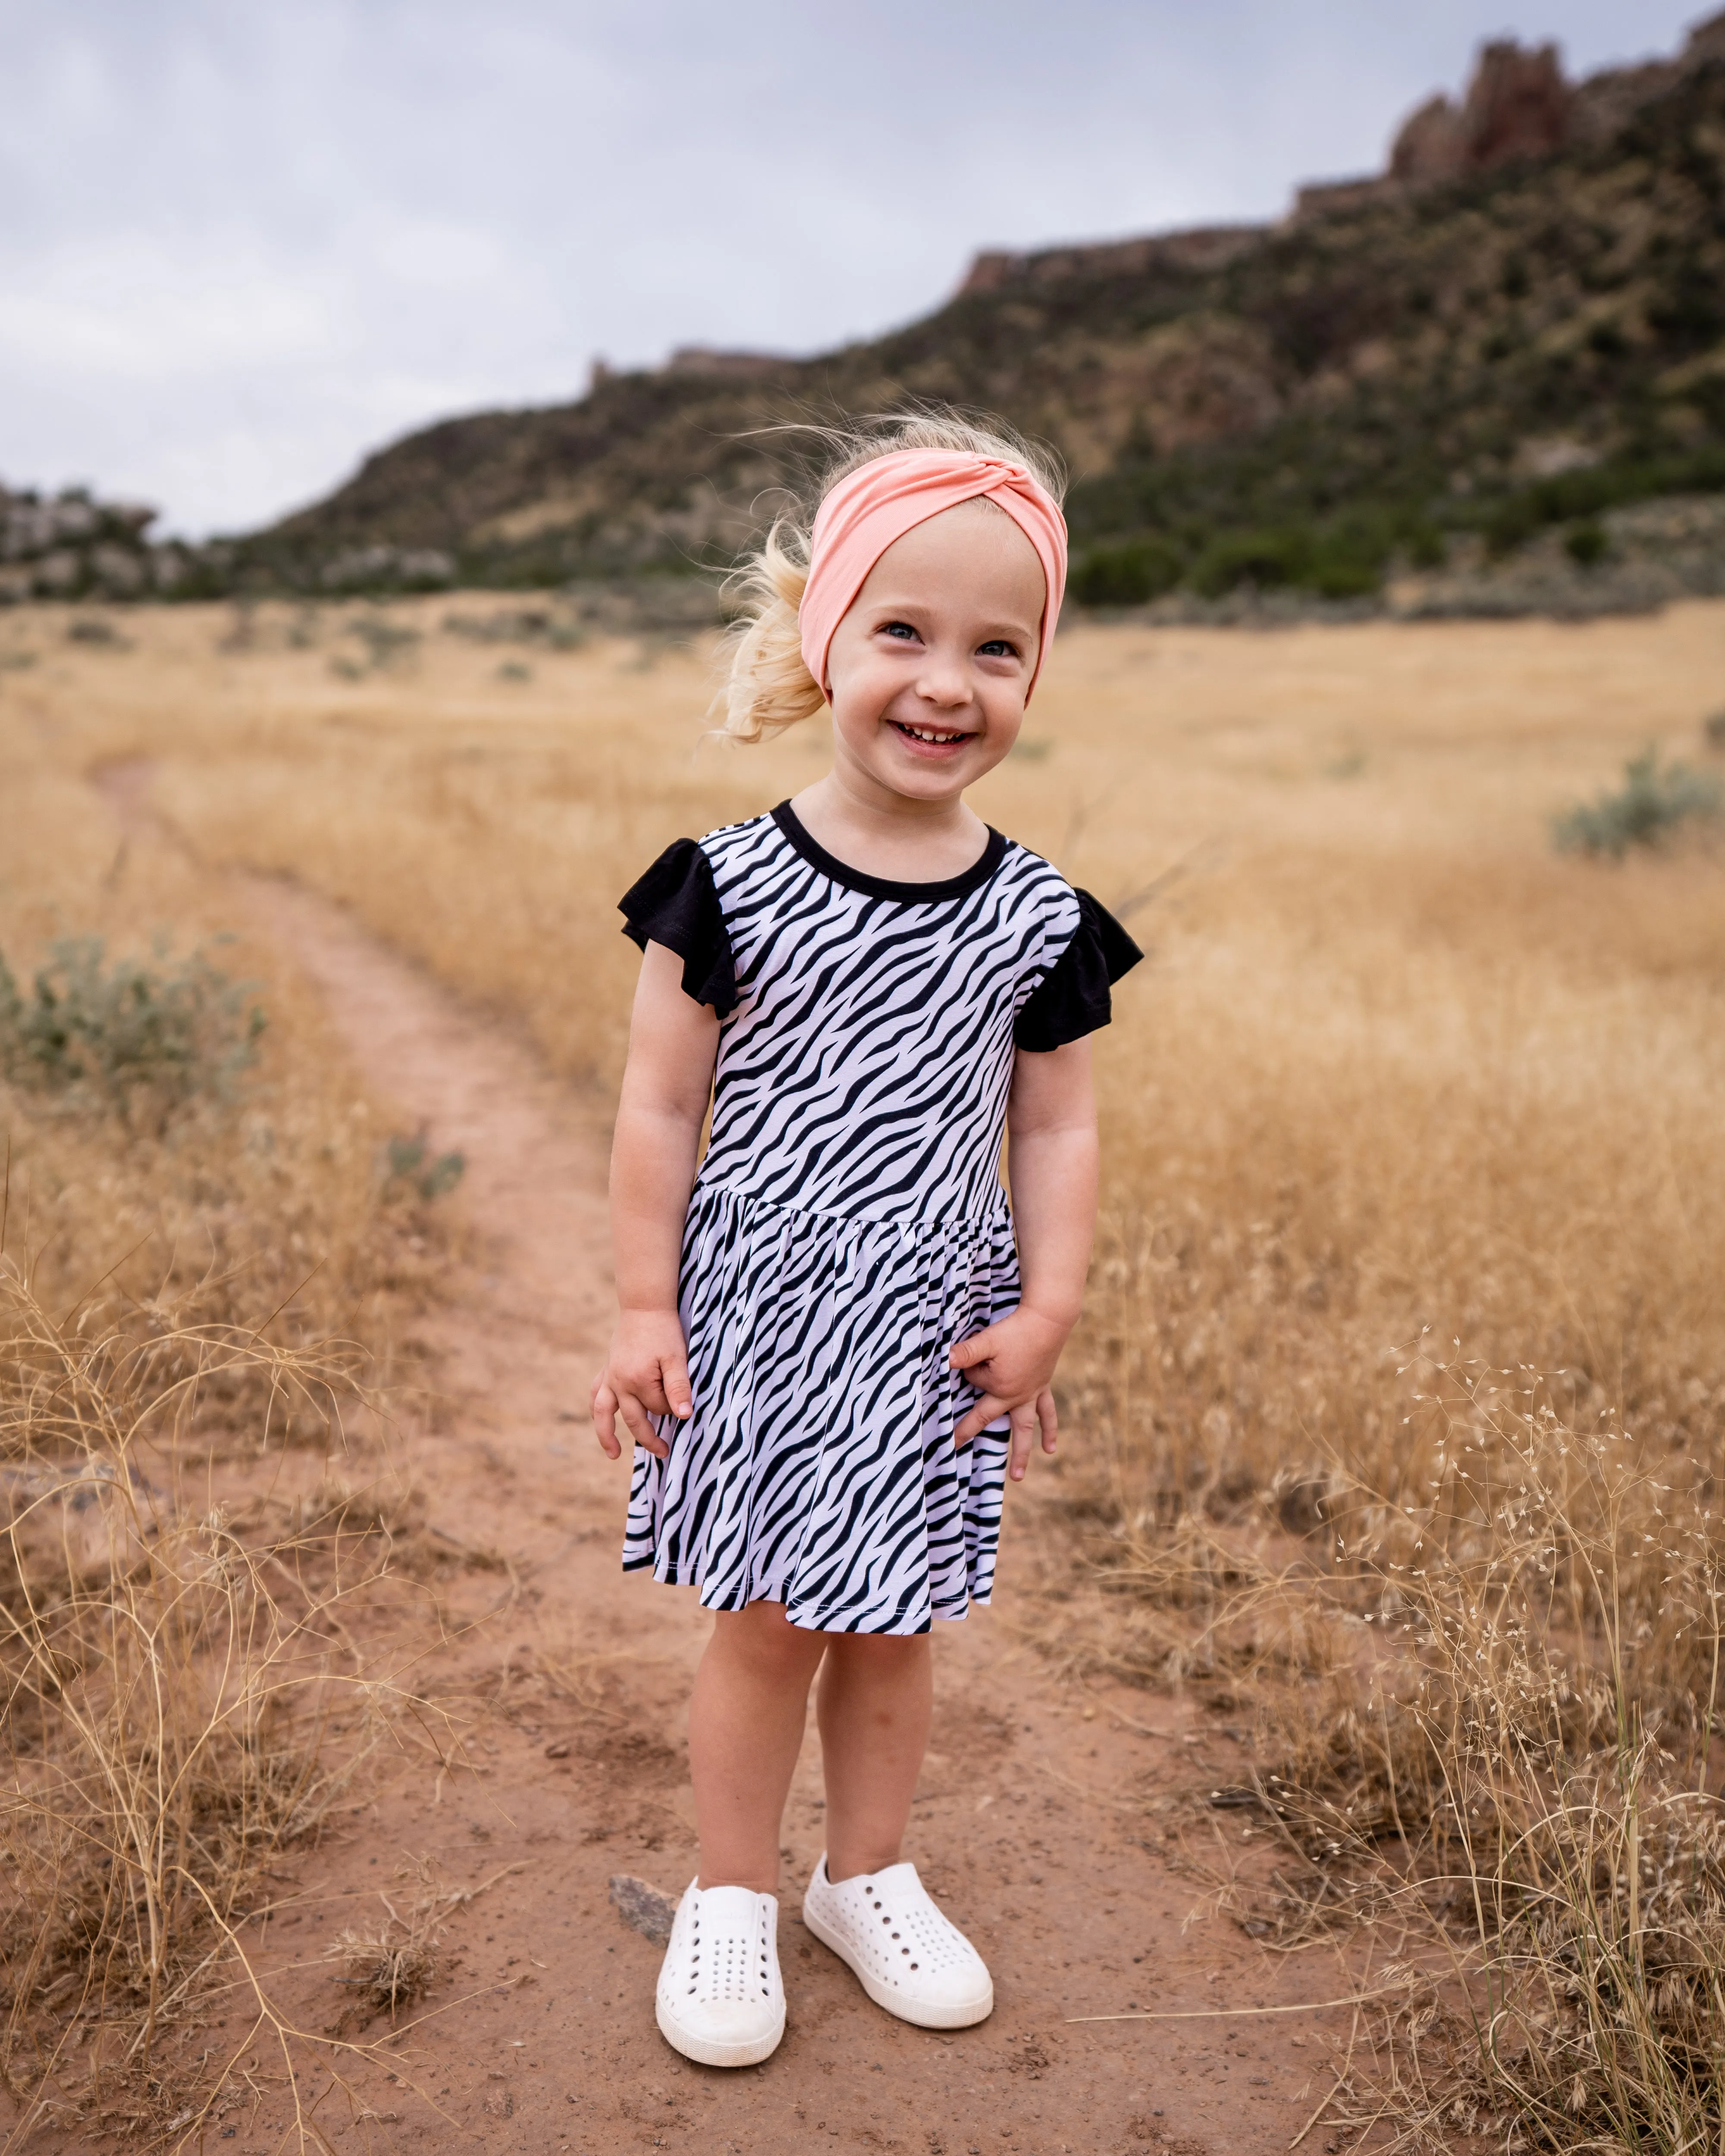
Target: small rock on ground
[642,1908]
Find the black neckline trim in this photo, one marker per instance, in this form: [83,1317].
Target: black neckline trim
[873,886]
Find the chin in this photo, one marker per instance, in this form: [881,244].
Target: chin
[913,776]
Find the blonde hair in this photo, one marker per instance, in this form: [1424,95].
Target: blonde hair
[766,687]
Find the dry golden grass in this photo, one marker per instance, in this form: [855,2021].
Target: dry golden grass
[186,1701]
[1393,1062]
[1397,1076]
[265,1197]
[193,1277]
[162,1693]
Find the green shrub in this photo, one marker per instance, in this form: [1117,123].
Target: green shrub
[1587,544]
[518,625]
[1590,491]
[385,642]
[1339,570]
[1128,574]
[409,1170]
[91,630]
[1337,562]
[1648,807]
[1427,548]
[1512,524]
[124,1036]
[1263,558]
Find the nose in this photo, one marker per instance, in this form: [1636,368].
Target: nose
[945,680]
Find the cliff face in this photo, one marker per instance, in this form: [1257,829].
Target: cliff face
[1521,322]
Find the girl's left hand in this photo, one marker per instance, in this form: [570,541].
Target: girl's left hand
[1013,1363]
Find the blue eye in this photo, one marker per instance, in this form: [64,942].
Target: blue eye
[997,647]
[899,628]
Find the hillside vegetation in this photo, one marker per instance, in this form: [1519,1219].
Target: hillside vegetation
[1489,348]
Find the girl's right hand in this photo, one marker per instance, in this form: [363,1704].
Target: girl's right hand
[646,1372]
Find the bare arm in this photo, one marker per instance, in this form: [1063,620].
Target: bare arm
[1051,1164]
[666,1085]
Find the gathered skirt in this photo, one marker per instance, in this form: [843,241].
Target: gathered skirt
[817,1468]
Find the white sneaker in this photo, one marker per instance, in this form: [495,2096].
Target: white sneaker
[721,1997]
[905,1953]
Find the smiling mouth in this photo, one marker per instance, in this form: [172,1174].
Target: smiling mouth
[933,737]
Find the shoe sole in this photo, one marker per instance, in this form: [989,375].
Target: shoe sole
[705,2051]
[895,2002]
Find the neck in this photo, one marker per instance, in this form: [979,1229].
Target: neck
[868,827]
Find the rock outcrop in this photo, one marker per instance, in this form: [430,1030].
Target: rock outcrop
[70,545]
[1518,106]
[734,366]
[1198,252]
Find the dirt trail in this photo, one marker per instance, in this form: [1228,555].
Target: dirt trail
[1028,1824]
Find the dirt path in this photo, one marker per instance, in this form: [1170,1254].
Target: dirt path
[1028,1824]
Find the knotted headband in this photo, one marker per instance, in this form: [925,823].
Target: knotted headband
[890,495]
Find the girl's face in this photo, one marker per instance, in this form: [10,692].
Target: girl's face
[929,668]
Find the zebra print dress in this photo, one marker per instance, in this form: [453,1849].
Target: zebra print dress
[848,1223]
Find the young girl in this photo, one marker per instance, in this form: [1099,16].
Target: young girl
[835,1352]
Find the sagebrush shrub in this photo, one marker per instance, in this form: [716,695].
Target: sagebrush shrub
[110,1036]
[409,1166]
[1649,806]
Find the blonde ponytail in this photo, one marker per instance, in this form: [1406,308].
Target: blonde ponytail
[766,686]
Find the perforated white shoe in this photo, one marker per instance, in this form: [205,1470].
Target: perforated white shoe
[721,1997]
[904,1952]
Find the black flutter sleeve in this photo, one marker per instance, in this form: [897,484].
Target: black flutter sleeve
[676,904]
[1072,999]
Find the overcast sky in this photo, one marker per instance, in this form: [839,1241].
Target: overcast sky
[243,242]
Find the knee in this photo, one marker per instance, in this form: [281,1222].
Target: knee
[763,1638]
[879,1658]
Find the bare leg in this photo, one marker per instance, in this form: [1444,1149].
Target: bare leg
[875,1700]
[746,1721]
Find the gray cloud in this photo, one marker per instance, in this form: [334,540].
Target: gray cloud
[243,244]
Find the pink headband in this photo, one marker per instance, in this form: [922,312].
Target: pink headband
[890,496]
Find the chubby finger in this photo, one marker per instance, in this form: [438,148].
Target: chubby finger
[986,1410]
[1024,1424]
[604,1418]
[680,1398]
[655,1385]
[635,1414]
[1048,1418]
[642,1384]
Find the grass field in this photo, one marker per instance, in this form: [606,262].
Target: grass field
[1406,1311]
[1393,1062]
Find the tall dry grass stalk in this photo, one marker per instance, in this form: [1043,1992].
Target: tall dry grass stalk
[170,1663]
[1505,1772]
